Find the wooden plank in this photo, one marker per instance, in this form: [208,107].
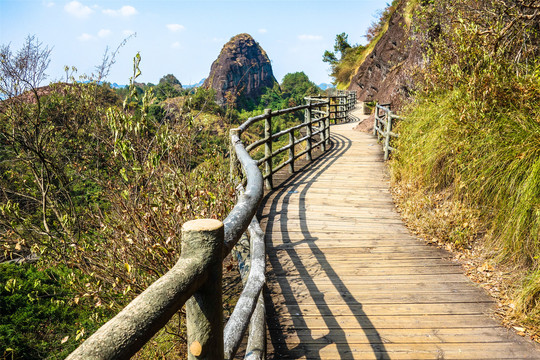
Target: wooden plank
[361,253]
[334,298]
[419,287]
[319,271]
[385,309]
[346,215]
[378,322]
[490,351]
[469,335]
[390,278]
[350,260]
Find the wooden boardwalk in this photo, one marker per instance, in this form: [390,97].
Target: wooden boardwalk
[346,280]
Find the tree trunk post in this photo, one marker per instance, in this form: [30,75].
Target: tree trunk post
[204,310]
[268,148]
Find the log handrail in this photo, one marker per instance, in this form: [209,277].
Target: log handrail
[195,280]
[382,127]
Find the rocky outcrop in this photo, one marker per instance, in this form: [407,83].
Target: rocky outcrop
[386,75]
[242,70]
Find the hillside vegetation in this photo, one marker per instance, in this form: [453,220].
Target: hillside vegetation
[467,169]
[95,185]
[94,190]
[473,133]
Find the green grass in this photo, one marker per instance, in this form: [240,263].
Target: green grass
[485,153]
[491,159]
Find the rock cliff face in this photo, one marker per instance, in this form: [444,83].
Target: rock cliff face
[242,69]
[386,75]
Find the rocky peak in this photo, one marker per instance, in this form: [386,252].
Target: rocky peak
[242,69]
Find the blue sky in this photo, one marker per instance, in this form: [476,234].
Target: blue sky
[184,37]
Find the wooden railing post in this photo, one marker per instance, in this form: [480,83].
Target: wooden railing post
[327,126]
[268,148]
[387,136]
[322,126]
[291,152]
[204,310]
[376,122]
[341,106]
[309,131]
[338,108]
[329,106]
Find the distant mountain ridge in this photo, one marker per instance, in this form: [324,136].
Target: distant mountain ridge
[325,86]
[199,84]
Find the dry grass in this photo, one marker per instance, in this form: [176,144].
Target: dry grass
[441,220]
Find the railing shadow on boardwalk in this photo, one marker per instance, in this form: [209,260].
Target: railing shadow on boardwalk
[311,172]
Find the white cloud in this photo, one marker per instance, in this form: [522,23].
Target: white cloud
[263,31]
[175,45]
[77,9]
[85,37]
[175,27]
[310,37]
[48,3]
[128,32]
[104,33]
[124,11]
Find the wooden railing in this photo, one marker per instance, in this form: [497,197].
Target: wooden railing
[195,280]
[340,102]
[384,120]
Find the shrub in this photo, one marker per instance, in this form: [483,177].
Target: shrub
[41,316]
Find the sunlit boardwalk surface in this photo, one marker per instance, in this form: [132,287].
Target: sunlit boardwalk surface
[346,280]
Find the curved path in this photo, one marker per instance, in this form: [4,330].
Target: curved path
[346,280]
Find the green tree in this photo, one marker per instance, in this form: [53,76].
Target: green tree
[169,87]
[329,57]
[171,79]
[342,44]
[297,85]
[343,68]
